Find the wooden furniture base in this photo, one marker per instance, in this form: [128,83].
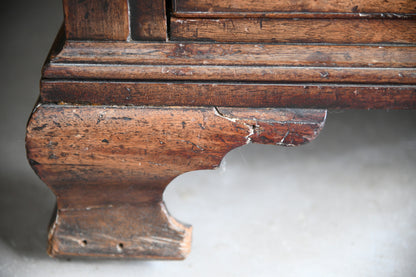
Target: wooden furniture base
[136,92]
[109,166]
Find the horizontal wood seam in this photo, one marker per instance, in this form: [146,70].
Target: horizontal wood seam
[242,83]
[290,15]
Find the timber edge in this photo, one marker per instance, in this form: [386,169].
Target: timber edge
[234,75]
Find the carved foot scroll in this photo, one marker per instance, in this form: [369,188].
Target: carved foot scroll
[109,165]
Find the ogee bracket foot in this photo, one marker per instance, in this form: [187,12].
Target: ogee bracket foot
[109,165]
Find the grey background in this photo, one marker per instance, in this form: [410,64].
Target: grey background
[343,205]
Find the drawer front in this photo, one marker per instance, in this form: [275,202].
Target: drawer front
[295,21]
[218,7]
[272,30]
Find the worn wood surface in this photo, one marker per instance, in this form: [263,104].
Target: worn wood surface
[205,74]
[194,53]
[109,166]
[96,19]
[310,95]
[143,113]
[291,15]
[148,20]
[233,73]
[269,30]
[304,6]
[230,63]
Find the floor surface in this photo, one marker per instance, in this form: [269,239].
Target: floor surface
[343,205]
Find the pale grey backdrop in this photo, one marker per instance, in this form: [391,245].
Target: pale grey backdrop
[344,205]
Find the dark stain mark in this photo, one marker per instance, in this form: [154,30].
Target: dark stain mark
[33,162]
[40,128]
[100,117]
[354,9]
[122,118]
[195,147]
[183,124]
[105,141]
[53,157]
[57,124]
[51,144]
[105,6]
[78,116]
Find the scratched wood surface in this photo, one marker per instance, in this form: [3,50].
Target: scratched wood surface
[276,74]
[148,20]
[311,95]
[269,30]
[199,62]
[304,6]
[96,20]
[260,75]
[109,166]
[194,53]
[290,15]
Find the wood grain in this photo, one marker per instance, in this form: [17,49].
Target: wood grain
[292,15]
[232,73]
[109,166]
[96,19]
[194,53]
[269,30]
[230,94]
[264,6]
[148,20]
[256,75]
[118,121]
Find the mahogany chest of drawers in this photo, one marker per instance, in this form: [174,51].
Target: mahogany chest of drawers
[136,92]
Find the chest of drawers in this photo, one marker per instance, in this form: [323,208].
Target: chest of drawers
[135,93]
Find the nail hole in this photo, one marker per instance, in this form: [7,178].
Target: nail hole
[84,243]
[120,247]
